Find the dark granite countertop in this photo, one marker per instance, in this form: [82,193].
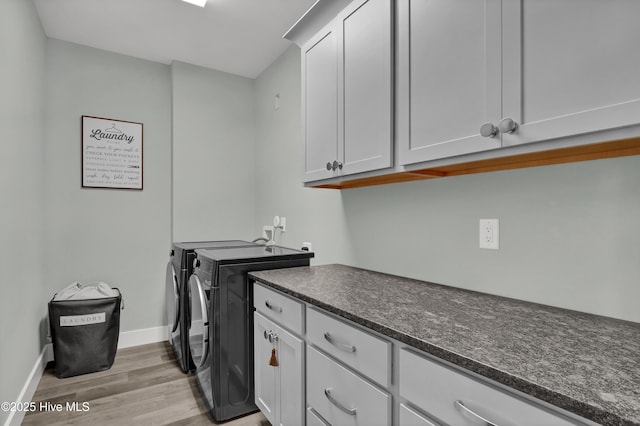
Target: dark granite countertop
[586,364]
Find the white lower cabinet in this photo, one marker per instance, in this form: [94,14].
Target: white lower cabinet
[333,372]
[343,398]
[279,390]
[458,399]
[363,352]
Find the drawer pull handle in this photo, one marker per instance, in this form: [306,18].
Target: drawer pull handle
[349,411]
[318,416]
[471,415]
[272,307]
[343,346]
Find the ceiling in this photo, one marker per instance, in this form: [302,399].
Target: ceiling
[241,37]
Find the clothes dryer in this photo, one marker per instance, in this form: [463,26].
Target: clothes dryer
[179,269]
[221,332]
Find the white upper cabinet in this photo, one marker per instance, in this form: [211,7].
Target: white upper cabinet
[449,77]
[528,70]
[347,86]
[570,67]
[320,104]
[367,92]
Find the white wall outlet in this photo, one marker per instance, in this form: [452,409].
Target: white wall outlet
[489,234]
[307,246]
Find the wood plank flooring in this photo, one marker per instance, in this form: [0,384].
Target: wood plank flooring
[144,386]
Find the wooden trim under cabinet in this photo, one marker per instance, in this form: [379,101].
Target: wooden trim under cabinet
[612,149]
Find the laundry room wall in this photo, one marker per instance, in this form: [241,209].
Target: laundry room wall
[213,155]
[121,237]
[23,299]
[313,215]
[569,234]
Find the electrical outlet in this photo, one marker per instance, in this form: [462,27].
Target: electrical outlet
[489,234]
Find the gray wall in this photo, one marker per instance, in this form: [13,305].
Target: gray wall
[313,215]
[22,49]
[569,234]
[117,236]
[213,173]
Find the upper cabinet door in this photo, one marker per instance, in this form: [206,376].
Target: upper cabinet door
[570,67]
[449,77]
[367,86]
[320,104]
[347,84]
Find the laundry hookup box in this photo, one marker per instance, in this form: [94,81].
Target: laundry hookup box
[85,325]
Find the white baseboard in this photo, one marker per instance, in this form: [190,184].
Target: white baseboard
[126,339]
[26,394]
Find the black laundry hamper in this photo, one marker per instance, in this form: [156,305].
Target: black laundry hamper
[85,334]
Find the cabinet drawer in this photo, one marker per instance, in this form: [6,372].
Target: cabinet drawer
[368,354]
[280,308]
[410,417]
[440,391]
[341,397]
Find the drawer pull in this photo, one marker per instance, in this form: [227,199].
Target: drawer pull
[272,307]
[334,342]
[462,409]
[349,411]
[318,416]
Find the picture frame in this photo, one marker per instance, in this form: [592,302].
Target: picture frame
[112,153]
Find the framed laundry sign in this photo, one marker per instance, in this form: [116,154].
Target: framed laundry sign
[111,153]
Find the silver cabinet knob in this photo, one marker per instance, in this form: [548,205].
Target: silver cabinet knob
[336,165]
[329,166]
[507,125]
[489,130]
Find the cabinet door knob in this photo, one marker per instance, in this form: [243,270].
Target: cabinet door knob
[336,165]
[489,130]
[507,125]
[329,166]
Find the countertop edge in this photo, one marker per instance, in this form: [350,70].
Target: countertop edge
[556,399]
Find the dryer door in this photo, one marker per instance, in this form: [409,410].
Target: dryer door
[199,328]
[172,300]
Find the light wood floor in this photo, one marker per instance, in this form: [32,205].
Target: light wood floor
[144,386]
